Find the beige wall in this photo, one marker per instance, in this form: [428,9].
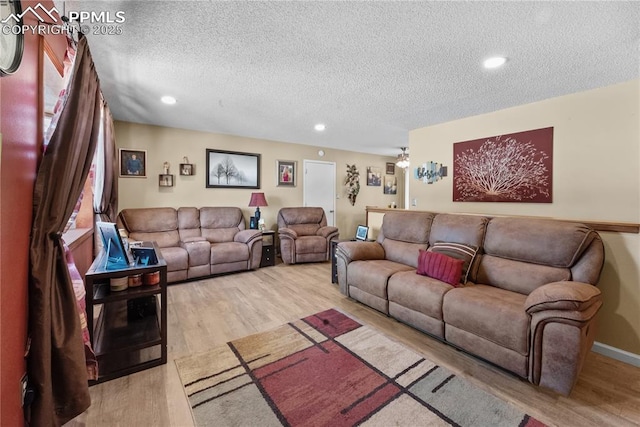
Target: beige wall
[171,145]
[596,176]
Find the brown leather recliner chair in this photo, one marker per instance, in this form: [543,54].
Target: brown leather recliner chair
[304,235]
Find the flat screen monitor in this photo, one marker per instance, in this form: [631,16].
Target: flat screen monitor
[361,232]
[115,252]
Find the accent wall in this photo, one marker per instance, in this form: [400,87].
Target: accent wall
[596,176]
[172,145]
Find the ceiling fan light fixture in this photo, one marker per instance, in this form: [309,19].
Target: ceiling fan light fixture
[169,100]
[403,159]
[494,62]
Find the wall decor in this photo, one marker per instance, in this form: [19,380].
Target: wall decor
[286,170]
[516,167]
[390,185]
[232,169]
[187,168]
[133,163]
[430,172]
[165,180]
[352,182]
[165,168]
[391,168]
[374,177]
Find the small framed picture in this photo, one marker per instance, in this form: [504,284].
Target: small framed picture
[286,170]
[187,169]
[390,185]
[133,163]
[361,232]
[374,177]
[165,180]
[391,168]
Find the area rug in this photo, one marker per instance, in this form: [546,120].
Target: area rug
[329,370]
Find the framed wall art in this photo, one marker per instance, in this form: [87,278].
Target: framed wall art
[391,168]
[286,170]
[390,185]
[133,163]
[187,169]
[374,177]
[165,180]
[515,167]
[232,169]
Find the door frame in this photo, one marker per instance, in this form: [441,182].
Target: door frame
[305,162]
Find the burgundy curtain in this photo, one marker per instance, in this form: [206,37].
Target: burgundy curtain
[56,360]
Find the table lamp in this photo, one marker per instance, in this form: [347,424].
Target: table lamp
[257,200]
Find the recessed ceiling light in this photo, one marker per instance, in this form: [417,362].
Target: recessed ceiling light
[320,127]
[495,62]
[169,100]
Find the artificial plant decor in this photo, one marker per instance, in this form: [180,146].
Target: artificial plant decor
[353,183]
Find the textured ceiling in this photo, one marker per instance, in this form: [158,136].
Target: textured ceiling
[372,71]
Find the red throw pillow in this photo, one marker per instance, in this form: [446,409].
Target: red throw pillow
[441,267]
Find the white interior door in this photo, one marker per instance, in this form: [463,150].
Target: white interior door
[319,187]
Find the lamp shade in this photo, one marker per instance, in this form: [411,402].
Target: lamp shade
[258,199]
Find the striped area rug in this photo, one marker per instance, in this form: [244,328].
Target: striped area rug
[329,370]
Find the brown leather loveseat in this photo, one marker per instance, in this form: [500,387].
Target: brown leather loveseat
[196,242]
[529,303]
[304,235]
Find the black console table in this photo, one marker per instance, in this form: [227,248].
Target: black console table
[126,340]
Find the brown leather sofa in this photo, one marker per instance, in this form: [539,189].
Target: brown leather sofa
[530,302]
[196,242]
[304,235]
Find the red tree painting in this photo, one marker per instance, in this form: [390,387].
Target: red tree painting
[505,168]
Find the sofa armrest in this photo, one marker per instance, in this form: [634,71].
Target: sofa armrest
[346,252]
[356,251]
[563,316]
[569,296]
[246,236]
[328,232]
[287,233]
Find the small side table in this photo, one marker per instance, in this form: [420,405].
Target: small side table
[268,249]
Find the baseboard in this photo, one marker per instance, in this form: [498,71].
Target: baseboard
[616,353]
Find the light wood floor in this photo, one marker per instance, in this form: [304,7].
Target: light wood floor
[208,313]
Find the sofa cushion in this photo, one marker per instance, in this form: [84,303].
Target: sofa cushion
[539,241]
[410,227]
[152,224]
[164,239]
[458,228]
[372,276]
[403,252]
[219,235]
[229,252]
[188,223]
[311,244]
[221,217]
[518,276]
[302,215]
[419,293]
[441,267]
[176,258]
[493,314]
[466,253]
[148,220]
